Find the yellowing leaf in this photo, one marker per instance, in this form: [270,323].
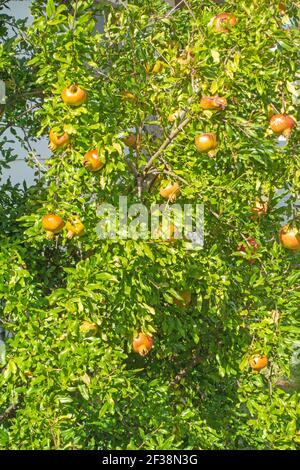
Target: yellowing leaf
[102,182]
[118,148]
[292,89]
[232,65]
[69,129]
[215,55]
[86,379]
[214,87]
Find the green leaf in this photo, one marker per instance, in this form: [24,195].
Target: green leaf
[84,391]
[106,277]
[50,8]
[290,329]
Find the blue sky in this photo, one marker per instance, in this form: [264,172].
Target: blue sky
[19,170]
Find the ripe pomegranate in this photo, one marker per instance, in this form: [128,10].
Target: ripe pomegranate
[142,344]
[53,223]
[290,238]
[206,143]
[92,160]
[58,141]
[213,102]
[282,124]
[223,22]
[170,192]
[74,95]
[133,141]
[257,362]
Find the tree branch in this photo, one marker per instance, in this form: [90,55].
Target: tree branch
[196,359]
[166,143]
[10,409]
[170,173]
[131,166]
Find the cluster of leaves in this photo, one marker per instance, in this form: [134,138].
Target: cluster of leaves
[63,389]
[17,123]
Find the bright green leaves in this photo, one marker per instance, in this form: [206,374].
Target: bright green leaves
[89,391]
[232,65]
[50,8]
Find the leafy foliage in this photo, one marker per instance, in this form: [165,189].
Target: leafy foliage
[63,389]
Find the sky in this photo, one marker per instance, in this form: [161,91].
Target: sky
[19,170]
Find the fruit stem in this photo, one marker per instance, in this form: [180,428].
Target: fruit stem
[49,235]
[287,133]
[212,153]
[70,234]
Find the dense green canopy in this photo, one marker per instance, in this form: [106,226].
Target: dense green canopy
[65,389]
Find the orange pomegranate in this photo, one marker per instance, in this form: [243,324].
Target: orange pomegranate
[53,223]
[92,160]
[170,192]
[141,344]
[282,124]
[58,141]
[258,362]
[133,141]
[290,238]
[223,22]
[74,95]
[206,143]
[213,102]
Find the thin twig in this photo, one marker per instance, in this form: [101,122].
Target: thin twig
[33,155]
[23,94]
[170,173]
[139,186]
[196,359]
[229,54]
[189,8]
[170,12]
[131,166]
[11,124]
[270,382]
[166,143]
[10,409]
